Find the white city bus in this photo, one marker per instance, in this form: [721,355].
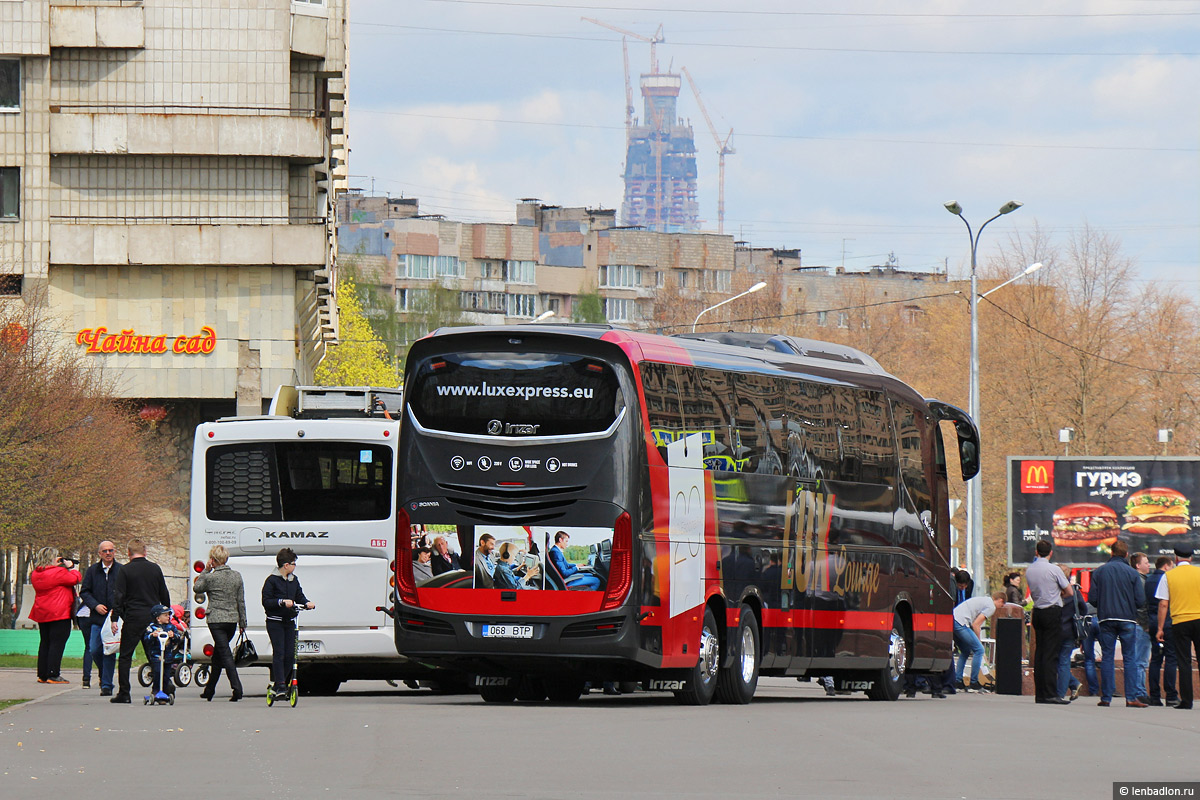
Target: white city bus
[317,475]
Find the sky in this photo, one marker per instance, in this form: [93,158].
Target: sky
[853,121]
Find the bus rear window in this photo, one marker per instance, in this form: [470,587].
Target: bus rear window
[515,394]
[299,482]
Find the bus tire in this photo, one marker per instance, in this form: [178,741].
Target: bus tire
[702,683]
[737,682]
[891,678]
[564,690]
[531,690]
[498,694]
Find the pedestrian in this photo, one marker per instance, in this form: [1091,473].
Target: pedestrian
[1162,654]
[281,594]
[1068,684]
[1047,586]
[96,594]
[84,620]
[1012,589]
[1178,594]
[54,579]
[964,587]
[163,656]
[1145,628]
[968,622]
[226,596]
[138,587]
[1117,593]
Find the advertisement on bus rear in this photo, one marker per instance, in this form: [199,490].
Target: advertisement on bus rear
[1084,504]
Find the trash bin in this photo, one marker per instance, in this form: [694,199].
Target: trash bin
[1009,625]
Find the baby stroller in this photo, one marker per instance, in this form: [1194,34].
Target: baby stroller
[183,667]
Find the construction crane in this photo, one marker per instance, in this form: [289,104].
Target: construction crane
[653,40]
[723,149]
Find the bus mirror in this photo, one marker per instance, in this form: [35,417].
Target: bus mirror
[968,435]
[968,457]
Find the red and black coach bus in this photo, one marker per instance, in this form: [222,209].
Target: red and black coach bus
[585,503]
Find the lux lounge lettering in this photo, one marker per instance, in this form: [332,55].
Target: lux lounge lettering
[99,340]
[855,577]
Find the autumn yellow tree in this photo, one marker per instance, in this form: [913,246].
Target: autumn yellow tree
[360,358]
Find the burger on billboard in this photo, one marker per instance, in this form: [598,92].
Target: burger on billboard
[1078,503]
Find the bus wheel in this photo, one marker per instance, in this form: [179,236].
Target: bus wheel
[702,683]
[737,683]
[531,690]
[498,694]
[888,684]
[564,690]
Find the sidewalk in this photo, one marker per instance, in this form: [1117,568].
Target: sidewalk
[21,684]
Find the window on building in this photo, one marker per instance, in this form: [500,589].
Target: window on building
[10,85]
[10,192]
[681,278]
[490,270]
[660,279]
[913,314]
[620,276]
[822,318]
[718,280]
[616,309]
[483,302]
[554,304]
[520,272]
[410,299]
[10,285]
[843,319]
[522,305]
[429,267]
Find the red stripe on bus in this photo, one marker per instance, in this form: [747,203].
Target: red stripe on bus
[939,623]
[487,602]
[826,620]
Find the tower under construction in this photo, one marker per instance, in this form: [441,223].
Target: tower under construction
[660,162]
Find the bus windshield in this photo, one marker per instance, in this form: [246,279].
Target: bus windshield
[299,481]
[506,394]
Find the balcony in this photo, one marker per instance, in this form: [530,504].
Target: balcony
[117,26]
[187,131]
[162,241]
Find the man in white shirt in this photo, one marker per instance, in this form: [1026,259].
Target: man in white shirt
[968,622]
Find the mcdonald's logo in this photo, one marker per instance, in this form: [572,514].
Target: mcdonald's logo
[1037,477]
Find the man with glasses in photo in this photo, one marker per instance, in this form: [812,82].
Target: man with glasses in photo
[96,593]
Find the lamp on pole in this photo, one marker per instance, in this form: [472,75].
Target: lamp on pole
[751,290]
[974,487]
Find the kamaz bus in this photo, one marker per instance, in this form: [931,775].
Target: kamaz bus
[688,512]
[318,475]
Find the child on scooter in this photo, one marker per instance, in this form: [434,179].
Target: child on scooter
[162,623]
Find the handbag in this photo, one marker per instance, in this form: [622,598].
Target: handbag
[244,651]
[1080,624]
[110,640]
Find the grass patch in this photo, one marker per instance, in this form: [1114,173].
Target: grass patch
[23,661]
[7,703]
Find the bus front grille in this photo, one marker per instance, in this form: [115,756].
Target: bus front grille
[511,506]
[583,630]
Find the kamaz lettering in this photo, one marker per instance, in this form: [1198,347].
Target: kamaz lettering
[297,534]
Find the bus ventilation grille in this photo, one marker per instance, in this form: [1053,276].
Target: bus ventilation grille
[583,630]
[426,625]
[511,507]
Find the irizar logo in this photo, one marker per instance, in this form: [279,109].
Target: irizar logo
[856,686]
[297,534]
[660,685]
[492,680]
[496,427]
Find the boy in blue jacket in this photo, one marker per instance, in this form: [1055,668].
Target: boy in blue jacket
[169,654]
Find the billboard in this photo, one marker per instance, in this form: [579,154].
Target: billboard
[1085,503]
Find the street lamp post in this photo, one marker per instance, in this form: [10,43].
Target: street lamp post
[751,290]
[974,487]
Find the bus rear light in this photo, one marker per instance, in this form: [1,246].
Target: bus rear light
[211,434]
[620,574]
[200,612]
[198,567]
[208,651]
[405,583]
[386,434]
[511,483]
[392,581]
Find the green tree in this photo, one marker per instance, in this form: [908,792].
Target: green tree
[360,358]
[588,307]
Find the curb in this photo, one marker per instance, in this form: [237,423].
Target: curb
[36,700]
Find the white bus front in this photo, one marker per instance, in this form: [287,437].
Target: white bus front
[326,489]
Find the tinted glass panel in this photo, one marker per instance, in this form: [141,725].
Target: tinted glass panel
[515,394]
[299,482]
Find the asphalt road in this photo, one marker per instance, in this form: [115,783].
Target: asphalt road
[374,741]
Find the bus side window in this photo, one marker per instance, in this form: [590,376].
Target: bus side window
[756,398]
[910,440]
[876,446]
[660,387]
[848,431]
[808,433]
[701,394]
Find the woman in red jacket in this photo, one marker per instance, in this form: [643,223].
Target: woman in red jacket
[54,581]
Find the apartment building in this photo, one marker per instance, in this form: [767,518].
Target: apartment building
[511,273]
[168,171]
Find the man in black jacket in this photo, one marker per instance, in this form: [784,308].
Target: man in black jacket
[281,596]
[97,594]
[138,588]
[1118,593]
[1162,654]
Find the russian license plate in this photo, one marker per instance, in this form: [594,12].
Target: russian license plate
[309,647]
[508,631]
